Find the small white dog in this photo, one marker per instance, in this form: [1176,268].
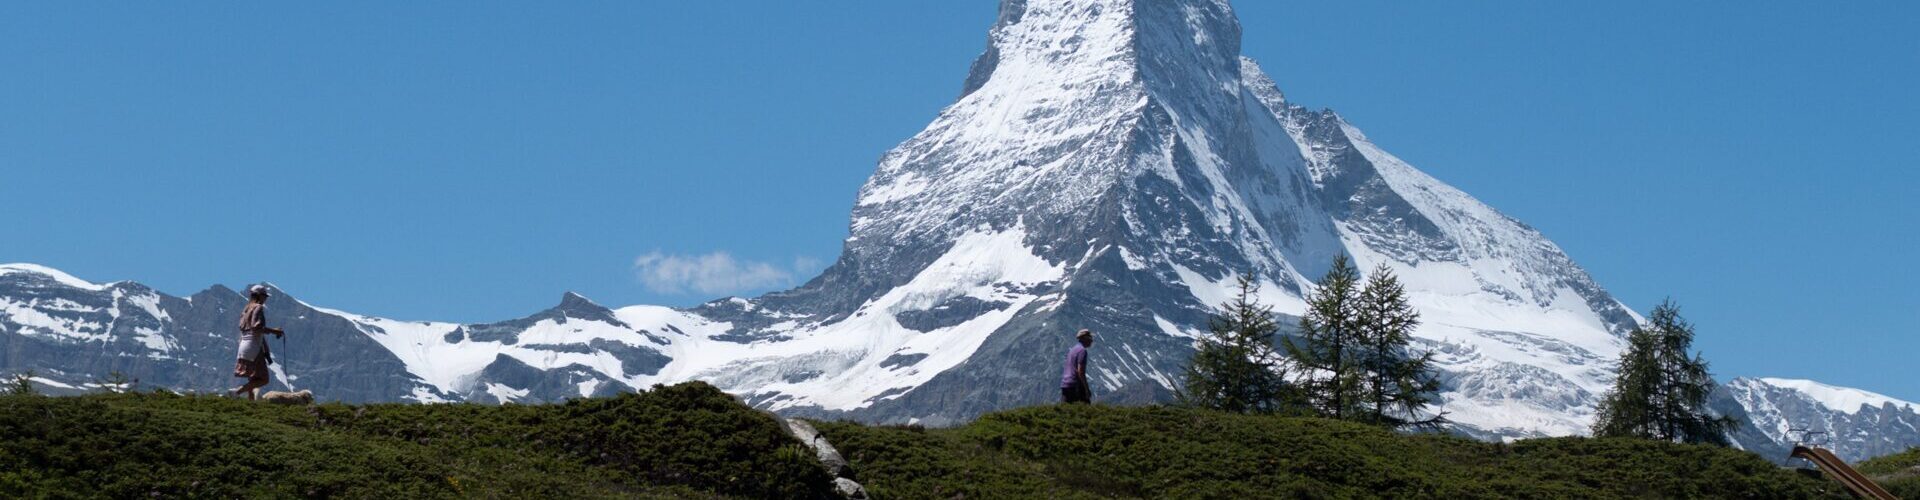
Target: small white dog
[302,397]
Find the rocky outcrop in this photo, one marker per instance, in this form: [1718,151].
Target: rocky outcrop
[830,458]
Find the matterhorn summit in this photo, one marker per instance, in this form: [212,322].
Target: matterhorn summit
[1115,165]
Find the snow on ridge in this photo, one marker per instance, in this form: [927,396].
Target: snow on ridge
[977,261]
[55,274]
[421,394]
[839,366]
[1213,293]
[1840,399]
[155,340]
[38,315]
[449,366]
[33,320]
[422,348]
[1512,419]
[148,302]
[504,393]
[1173,330]
[834,366]
[1525,337]
[1480,230]
[1054,93]
[52,383]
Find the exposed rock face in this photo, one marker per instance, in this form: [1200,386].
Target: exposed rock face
[829,457]
[73,333]
[849,488]
[1855,424]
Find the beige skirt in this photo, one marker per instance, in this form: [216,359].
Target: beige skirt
[251,361]
[253,371]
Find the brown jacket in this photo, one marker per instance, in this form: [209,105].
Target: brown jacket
[253,319]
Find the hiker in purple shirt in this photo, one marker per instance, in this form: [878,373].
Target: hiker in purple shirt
[1073,379]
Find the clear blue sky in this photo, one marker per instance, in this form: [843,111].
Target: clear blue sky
[471,162]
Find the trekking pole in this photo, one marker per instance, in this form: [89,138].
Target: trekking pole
[283,366]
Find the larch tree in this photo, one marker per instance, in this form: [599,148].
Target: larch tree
[1329,343]
[1400,385]
[1235,366]
[1662,387]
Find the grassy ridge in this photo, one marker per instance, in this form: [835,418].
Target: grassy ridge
[1084,451]
[691,440]
[1899,472]
[675,441]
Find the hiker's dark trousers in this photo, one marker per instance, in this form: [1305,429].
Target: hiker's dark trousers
[1078,393]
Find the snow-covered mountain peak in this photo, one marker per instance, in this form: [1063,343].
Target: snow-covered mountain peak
[1779,413]
[1087,40]
[1087,116]
[1840,399]
[579,306]
[48,273]
[1136,151]
[1057,76]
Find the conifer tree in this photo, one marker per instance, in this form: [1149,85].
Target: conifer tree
[21,384]
[1328,344]
[1662,388]
[1399,384]
[116,381]
[1235,366]
[1627,409]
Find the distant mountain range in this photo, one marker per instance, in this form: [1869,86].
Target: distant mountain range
[1855,424]
[1109,164]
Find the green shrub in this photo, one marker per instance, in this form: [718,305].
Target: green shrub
[1185,453]
[20,384]
[691,440]
[1899,473]
[1891,464]
[674,441]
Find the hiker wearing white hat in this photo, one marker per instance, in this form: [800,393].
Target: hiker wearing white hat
[1073,378]
[254,357]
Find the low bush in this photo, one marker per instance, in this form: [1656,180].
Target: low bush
[1899,472]
[691,440]
[1183,453]
[674,441]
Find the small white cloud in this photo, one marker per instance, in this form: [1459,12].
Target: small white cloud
[714,273]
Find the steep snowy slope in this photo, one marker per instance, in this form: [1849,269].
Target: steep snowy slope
[1527,335]
[1130,146]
